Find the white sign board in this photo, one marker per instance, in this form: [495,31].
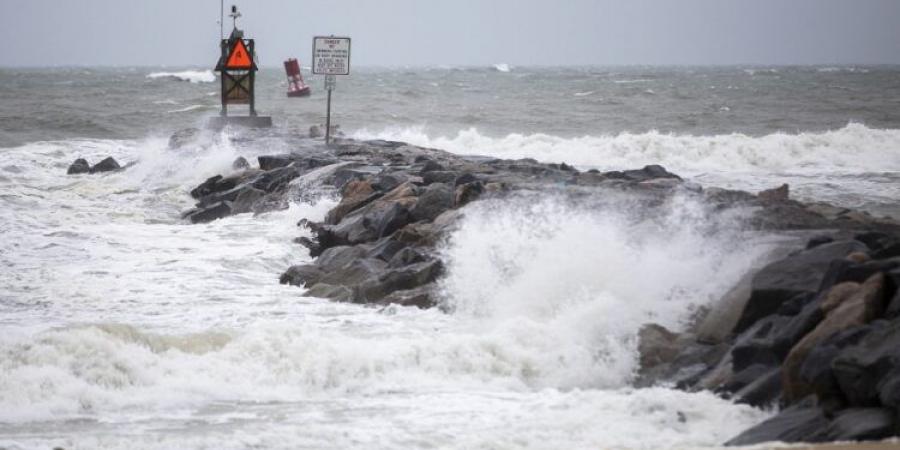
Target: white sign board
[331,55]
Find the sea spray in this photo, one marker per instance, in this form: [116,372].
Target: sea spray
[575,280]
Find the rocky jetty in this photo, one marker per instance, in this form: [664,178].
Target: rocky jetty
[815,333]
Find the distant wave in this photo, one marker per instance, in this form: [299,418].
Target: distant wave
[852,149]
[189,108]
[841,69]
[637,80]
[752,72]
[584,94]
[193,76]
[502,67]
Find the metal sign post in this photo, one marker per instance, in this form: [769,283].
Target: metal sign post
[331,57]
[330,82]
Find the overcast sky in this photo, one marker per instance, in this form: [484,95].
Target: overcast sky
[460,32]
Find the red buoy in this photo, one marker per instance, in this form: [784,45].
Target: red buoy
[296,86]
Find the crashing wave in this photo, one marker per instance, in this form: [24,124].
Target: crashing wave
[502,67]
[193,76]
[854,148]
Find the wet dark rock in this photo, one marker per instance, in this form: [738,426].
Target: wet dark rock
[466,193]
[893,307]
[400,279]
[405,257]
[356,194]
[269,162]
[246,199]
[240,163]
[846,306]
[870,370]
[788,334]
[780,281]
[431,166]
[437,198]
[420,297]
[891,251]
[108,164]
[778,194]
[439,176]
[801,423]
[210,213]
[276,179]
[385,249]
[336,258]
[815,371]
[795,304]
[876,240]
[862,424]
[214,185]
[747,375]
[657,345]
[78,167]
[385,182]
[302,275]
[819,240]
[355,272]
[763,390]
[338,293]
[758,344]
[465,178]
[647,173]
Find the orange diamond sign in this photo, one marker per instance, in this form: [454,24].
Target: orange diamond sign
[239,58]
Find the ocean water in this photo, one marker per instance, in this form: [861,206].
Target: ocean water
[121,326]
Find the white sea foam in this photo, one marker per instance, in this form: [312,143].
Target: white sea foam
[502,67]
[193,76]
[164,332]
[854,148]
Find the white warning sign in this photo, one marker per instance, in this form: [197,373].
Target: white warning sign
[331,55]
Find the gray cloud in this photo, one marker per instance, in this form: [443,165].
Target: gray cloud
[461,32]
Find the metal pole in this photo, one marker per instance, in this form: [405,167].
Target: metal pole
[221,19]
[328,119]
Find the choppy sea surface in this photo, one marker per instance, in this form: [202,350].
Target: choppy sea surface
[122,326]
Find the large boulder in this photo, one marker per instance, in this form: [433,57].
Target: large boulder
[869,372]
[420,297]
[356,194]
[276,179]
[108,164]
[657,345]
[764,390]
[400,279]
[800,423]
[847,305]
[302,275]
[816,371]
[78,167]
[437,198]
[784,279]
[246,199]
[758,344]
[862,424]
[210,213]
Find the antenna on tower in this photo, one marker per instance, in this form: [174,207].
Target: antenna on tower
[234,15]
[221,19]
